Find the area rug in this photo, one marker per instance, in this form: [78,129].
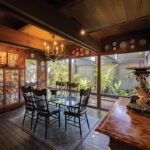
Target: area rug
[57,137]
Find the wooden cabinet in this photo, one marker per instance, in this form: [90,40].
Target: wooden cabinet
[1,88]
[11,79]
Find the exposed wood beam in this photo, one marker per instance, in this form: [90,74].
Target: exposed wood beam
[10,36]
[42,14]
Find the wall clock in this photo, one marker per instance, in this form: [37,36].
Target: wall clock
[42,63]
[42,69]
[32,55]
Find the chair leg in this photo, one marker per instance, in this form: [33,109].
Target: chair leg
[59,118]
[36,123]
[65,123]
[32,120]
[24,117]
[46,127]
[87,120]
[80,127]
[74,117]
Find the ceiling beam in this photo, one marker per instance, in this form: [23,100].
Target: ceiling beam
[42,14]
[11,36]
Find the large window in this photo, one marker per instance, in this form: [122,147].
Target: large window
[31,71]
[84,72]
[116,79]
[57,71]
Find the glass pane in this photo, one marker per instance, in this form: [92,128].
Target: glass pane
[12,95]
[84,72]
[31,70]
[116,79]
[57,71]
[1,87]
[21,83]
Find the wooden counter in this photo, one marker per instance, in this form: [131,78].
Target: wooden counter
[126,129]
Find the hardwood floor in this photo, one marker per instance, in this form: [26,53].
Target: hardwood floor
[15,138]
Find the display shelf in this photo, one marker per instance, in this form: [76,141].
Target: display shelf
[1,88]
[12,85]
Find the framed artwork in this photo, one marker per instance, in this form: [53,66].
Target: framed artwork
[3,57]
[13,59]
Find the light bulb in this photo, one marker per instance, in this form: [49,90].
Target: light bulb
[82,32]
[55,43]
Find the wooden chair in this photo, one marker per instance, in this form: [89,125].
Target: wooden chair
[78,111]
[44,110]
[30,106]
[73,85]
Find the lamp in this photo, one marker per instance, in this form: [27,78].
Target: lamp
[53,51]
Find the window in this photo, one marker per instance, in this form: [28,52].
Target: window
[84,72]
[57,71]
[116,79]
[31,70]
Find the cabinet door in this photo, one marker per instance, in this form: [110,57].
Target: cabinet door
[12,86]
[1,88]
[22,83]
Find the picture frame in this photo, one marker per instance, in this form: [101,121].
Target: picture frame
[3,58]
[13,59]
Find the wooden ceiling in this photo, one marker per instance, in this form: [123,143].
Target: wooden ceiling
[38,32]
[98,14]
[101,18]
[104,18]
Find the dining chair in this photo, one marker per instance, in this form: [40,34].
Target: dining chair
[78,111]
[44,110]
[30,107]
[73,86]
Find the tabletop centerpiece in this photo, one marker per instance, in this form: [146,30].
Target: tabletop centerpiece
[140,101]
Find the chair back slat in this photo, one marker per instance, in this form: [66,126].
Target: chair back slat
[41,101]
[84,99]
[28,97]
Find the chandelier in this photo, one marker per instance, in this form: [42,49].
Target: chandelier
[53,51]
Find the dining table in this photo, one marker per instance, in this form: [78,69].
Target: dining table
[65,100]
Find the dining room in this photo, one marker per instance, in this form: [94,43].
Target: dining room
[74,75]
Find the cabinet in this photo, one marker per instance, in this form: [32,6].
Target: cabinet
[12,85]
[11,79]
[1,88]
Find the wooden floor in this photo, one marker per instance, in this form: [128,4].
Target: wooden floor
[14,138]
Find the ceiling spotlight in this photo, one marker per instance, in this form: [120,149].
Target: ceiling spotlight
[82,32]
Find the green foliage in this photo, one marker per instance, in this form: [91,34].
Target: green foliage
[115,89]
[106,77]
[84,83]
[123,93]
[117,86]
[75,78]
[130,75]
[58,71]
